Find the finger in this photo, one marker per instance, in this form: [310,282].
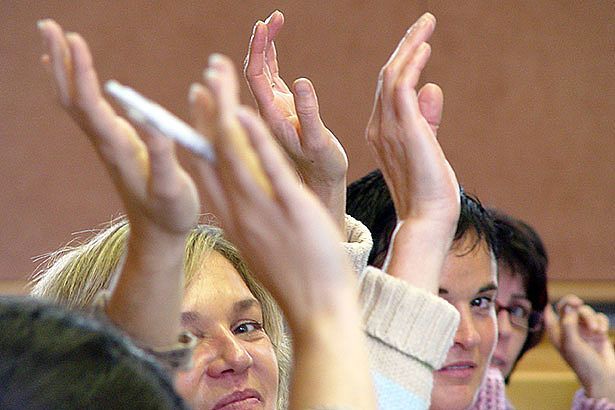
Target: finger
[552,325]
[239,183]
[88,97]
[204,114]
[431,104]
[306,105]
[279,173]
[570,300]
[274,23]
[588,318]
[414,37]
[405,94]
[603,324]
[203,110]
[255,70]
[61,64]
[272,64]
[569,325]
[418,33]
[222,82]
[108,132]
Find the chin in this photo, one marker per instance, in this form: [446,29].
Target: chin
[453,397]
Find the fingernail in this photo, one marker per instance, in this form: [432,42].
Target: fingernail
[210,74]
[567,309]
[215,58]
[40,24]
[193,91]
[302,87]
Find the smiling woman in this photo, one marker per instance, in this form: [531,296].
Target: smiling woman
[468,282]
[237,325]
[168,278]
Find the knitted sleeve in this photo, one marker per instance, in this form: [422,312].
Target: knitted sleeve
[409,332]
[582,402]
[358,244]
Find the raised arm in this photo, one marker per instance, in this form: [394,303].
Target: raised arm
[291,244]
[294,119]
[581,336]
[402,135]
[159,197]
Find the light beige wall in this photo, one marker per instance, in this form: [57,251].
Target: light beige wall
[528,115]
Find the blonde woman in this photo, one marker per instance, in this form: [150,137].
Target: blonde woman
[234,357]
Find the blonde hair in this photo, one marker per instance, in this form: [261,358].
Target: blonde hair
[74,275]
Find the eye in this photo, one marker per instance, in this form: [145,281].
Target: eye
[247,327]
[519,311]
[482,302]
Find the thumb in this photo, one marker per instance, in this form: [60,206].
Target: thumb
[431,104]
[551,321]
[569,326]
[306,105]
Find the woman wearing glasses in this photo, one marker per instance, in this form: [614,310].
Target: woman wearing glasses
[580,334]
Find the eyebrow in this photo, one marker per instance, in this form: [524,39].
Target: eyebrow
[488,287]
[519,296]
[190,318]
[485,288]
[245,304]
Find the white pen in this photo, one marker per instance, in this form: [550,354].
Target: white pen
[147,112]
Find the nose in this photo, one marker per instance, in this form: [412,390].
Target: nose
[467,336]
[229,356]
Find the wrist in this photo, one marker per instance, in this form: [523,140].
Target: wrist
[311,318]
[601,388]
[332,195]
[417,252]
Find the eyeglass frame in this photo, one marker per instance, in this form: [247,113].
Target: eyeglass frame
[534,318]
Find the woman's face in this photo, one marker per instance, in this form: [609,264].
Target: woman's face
[468,282]
[511,294]
[235,366]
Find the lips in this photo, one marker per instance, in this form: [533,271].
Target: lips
[244,399]
[459,369]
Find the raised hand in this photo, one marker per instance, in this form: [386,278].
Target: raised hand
[581,336]
[144,170]
[159,197]
[402,134]
[290,243]
[293,116]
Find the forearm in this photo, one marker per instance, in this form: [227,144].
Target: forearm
[149,289]
[417,252]
[333,196]
[331,349]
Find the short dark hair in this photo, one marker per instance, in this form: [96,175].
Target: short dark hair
[369,201]
[52,358]
[523,252]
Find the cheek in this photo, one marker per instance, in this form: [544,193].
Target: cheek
[187,382]
[517,339]
[266,365]
[186,385]
[488,332]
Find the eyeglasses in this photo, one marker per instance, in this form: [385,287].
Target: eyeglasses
[521,317]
